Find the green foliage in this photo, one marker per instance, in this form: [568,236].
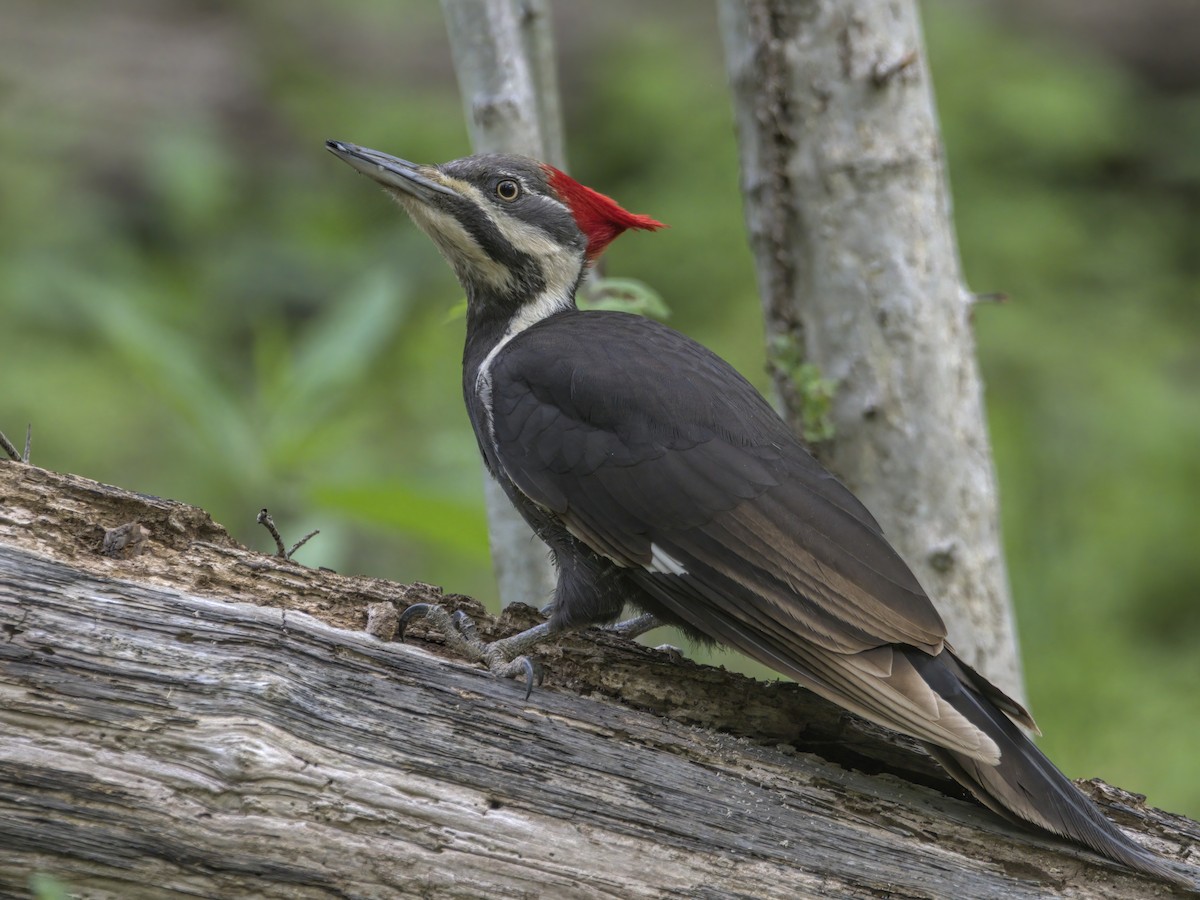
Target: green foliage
[197,301]
[814,392]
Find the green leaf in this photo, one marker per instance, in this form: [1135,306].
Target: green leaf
[624,295]
[814,392]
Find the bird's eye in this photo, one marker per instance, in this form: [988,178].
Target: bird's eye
[508,190]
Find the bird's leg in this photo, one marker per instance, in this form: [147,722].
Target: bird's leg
[637,626]
[505,658]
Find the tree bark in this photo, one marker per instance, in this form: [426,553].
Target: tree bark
[189,718]
[504,58]
[849,217]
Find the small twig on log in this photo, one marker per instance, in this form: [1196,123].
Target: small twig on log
[12,450]
[264,519]
[304,540]
[9,448]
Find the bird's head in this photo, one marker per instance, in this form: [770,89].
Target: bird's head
[513,229]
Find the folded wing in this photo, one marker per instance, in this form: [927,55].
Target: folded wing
[721,516]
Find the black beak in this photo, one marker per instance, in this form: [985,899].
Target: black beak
[390,171]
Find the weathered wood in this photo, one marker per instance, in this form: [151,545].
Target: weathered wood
[849,217]
[202,720]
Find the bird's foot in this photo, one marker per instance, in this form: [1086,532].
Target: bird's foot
[505,658]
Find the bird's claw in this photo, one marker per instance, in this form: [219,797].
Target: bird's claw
[465,625]
[461,635]
[416,611]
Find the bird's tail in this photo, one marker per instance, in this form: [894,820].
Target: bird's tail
[1026,786]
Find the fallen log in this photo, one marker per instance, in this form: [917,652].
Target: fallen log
[182,716]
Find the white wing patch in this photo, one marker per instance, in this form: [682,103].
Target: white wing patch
[560,266]
[663,563]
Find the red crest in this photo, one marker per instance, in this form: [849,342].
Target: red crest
[599,217]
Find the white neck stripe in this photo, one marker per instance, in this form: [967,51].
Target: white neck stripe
[541,307]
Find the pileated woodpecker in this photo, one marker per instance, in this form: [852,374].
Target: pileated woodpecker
[660,478]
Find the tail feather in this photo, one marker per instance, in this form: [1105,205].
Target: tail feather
[1026,787]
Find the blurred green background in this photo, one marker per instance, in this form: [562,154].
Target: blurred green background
[197,301]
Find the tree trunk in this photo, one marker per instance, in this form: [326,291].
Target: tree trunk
[849,217]
[504,59]
[190,718]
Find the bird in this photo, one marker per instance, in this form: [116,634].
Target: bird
[660,478]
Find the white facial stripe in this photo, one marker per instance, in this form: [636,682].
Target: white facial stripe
[663,563]
[466,189]
[560,268]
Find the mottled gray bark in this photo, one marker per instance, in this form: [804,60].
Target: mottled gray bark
[190,718]
[504,59]
[849,216]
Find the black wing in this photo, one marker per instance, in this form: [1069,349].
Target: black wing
[655,453]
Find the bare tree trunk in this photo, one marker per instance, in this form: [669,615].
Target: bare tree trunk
[504,58]
[849,217]
[168,734]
